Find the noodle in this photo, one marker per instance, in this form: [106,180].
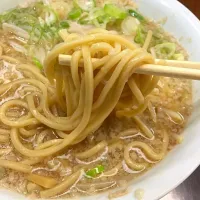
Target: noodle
[143,128]
[87,111]
[89,153]
[62,186]
[15,166]
[133,112]
[148,151]
[148,40]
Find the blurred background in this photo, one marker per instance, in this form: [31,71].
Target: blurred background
[190,189]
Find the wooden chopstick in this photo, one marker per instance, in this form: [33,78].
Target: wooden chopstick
[178,63]
[169,71]
[168,68]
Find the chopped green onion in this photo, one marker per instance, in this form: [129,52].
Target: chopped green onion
[37,20]
[103,19]
[64,24]
[130,25]
[178,56]
[75,13]
[165,50]
[85,5]
[37,63]
[140,36]
[94,3]
[92,173]
[136,15]
[84,20]
[75,4]
[100,15]
[115,11]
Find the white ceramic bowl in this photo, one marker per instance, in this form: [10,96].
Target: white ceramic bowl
[185,158]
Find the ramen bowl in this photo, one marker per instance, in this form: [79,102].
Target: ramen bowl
[184,159]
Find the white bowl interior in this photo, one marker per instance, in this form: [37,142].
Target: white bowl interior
[184,159]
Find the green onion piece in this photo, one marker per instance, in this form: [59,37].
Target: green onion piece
[103,19]
[136,15]
[95,171]
[178,56]
[165,50]
[83,20]
[101,16]
[114,11]
[84,5]
[64,24]
[94,3]
[87,5]
[75,4]
[130,25]
[37,63]
[140,36]
[75,13]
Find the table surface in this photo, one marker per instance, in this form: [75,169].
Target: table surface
[193,5]
[190,189]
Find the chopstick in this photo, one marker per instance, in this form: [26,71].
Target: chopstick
[168,68]
[178,63]
[169,71]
